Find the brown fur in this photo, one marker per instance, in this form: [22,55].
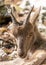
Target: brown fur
[29,35]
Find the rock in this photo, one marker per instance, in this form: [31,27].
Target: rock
[13,55]
[18,61]
[8,51]
[3,55]
[2,30]
[1,2]
[4,12]
[1,42]
[11,26]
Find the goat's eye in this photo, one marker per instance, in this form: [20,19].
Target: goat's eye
[31,34]
[21,23]
[21,14]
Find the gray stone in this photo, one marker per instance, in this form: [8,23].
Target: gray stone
[3,55]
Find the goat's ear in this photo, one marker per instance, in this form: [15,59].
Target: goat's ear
[15,16]
[34,16]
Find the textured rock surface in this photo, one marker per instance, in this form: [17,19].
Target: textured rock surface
[9,54]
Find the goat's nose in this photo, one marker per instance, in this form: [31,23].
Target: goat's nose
[21,54]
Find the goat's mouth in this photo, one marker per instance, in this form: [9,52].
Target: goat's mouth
[8,42]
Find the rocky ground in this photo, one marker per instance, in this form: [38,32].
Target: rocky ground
[9,49]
